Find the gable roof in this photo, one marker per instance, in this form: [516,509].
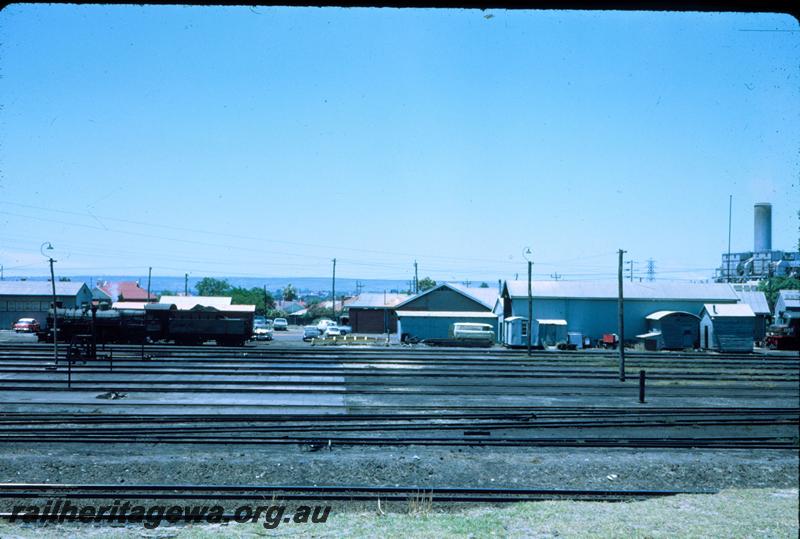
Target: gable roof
[373,300]
[128,290]
[485,296]
[41,288]
[732,310]
[708,292]
[789,299]
[757,300]
[466,292]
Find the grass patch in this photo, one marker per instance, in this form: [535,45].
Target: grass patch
[732,513]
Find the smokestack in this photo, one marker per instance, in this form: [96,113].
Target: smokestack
[762,231]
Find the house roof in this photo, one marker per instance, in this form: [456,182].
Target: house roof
[40,288]
[289,307]
[733,310]
[658,315]
[100,294]
[128,290]
[757,300]
[608,290]
[447,314]
[367,300]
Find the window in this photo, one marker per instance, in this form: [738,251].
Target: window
[524,328]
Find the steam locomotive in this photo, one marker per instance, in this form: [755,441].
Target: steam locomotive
[155,323]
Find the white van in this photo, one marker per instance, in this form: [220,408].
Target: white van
[472,331]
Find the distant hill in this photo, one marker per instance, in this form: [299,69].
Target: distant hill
[304,285]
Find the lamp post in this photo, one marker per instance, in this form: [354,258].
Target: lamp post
[47,246]
[527,254]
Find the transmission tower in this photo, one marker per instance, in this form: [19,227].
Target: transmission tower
[651,269]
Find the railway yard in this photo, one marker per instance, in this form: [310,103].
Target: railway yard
[351,425]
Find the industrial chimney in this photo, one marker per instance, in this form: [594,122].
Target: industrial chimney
[762,231]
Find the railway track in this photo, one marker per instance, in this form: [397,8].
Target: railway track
[735,429]
[280,493]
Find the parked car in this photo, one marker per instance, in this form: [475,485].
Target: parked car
[310,332]
[26,325]
[346,330]
[262,331]
[473,331]
[333,331]
[280,324]
[323,324]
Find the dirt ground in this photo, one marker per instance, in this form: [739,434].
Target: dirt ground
[404,466]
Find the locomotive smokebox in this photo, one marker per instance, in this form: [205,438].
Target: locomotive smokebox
[762,230]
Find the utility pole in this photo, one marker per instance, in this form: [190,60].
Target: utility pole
[265,301]
[730,211]
[186,284]
[1,272]
[556,276]
[416,278]
[55,309]
[333,290]
[149,275]
[620,307]
[527,254]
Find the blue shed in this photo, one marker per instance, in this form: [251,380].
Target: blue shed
[431,314]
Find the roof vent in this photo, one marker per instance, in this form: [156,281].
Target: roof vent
[714,308]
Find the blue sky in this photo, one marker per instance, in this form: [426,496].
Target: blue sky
[266,141]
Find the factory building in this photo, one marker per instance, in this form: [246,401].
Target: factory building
[431,314]
[371,312]
[727,328]
[32,299]
[590,307]
[762,262]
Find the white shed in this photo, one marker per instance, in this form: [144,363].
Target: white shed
[544,332]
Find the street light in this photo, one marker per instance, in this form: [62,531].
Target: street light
[527,254]
[47,246]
